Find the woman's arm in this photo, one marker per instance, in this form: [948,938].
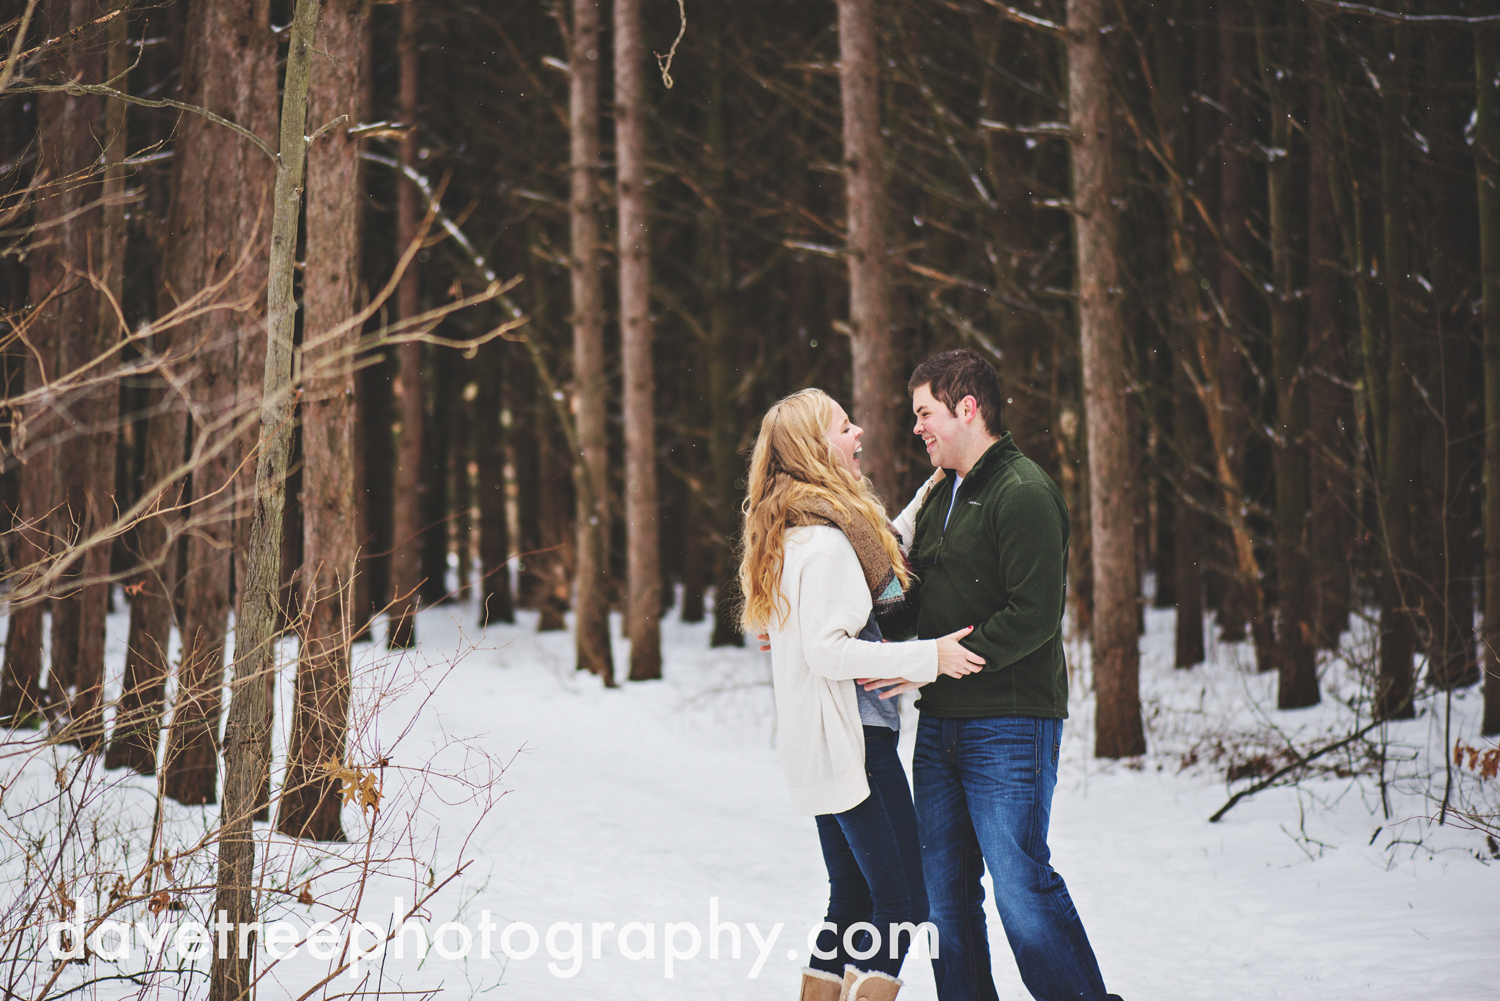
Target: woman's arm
[831,605]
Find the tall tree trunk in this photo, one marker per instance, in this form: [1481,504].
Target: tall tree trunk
[247,734]
[490,439]
[722,349]
[591,468]
[137,727]
[1236,296]
[1297,684]
[1331,405]
[1118,731]
[310,800]
[1487,169]
[876,387]
[1190,324]
[232,72]
[643,546]
[437,429]
[406,497]
[86,475]
[1398,465]
[21,698]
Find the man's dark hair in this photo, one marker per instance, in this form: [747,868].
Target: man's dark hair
[953,375]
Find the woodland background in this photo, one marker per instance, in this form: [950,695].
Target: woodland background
[1238,265]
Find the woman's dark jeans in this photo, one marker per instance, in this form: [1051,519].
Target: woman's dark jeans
[874,860]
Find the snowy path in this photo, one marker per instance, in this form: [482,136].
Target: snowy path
[641,804]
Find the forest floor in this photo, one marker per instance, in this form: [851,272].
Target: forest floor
[662,803]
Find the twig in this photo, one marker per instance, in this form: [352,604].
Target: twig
[79,89]
[15,46]
[665,64]
[1030,20]
[68,35]
[1270,780]
[1395,16]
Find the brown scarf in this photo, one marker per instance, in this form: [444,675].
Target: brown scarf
[880,576]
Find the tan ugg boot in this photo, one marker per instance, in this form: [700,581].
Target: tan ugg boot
[820,986]
[871,986]
[851,974]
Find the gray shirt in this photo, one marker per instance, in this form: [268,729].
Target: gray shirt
[873,710]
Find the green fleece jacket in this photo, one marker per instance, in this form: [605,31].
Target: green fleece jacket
[999,565]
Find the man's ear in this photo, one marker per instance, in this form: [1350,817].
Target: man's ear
[968,408]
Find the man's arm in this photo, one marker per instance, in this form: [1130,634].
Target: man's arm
[1033,569]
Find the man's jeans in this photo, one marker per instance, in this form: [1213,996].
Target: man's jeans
[874,866]
[984,796]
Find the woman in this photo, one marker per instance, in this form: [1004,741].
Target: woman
[819,564]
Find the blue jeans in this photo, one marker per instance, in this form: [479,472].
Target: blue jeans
[984,797]
[874,866]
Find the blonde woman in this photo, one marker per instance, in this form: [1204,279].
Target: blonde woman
[820,562]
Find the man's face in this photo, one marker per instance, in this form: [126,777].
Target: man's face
[941,429]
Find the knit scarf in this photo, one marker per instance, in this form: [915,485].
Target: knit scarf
[880,576]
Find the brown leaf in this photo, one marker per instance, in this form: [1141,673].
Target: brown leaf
[306,897]
[158,901]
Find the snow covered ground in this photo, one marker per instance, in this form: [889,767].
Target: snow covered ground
[662,803]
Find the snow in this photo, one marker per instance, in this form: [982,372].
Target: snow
[658,801]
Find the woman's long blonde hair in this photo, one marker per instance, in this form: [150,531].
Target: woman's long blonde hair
[794,465]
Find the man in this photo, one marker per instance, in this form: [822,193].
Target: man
[990,550]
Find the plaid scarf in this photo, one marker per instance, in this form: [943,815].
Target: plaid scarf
[885,587]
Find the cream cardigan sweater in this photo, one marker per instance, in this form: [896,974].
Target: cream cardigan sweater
[815,658]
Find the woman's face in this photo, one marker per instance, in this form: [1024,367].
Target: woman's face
[845,437]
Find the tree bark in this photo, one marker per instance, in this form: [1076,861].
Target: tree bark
[877,390]
[85,470]
[495,602]
[643,547]
[1398,634]
[32,437]
[221,219]
[247,735]
[1118,731]
[406,497]
[1236,296]
[1487,169]
[1297,682]
[310,802]
[436,509]
[1331,405]
[722,350]
[591,467]
[137,727]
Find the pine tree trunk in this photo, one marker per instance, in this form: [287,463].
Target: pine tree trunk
[877,390]
[1398,465]
[1295,650]
[437,442]
[406,497]
[1487,169]
[495,603]
[247,734]
[591,467]
[1331,406]
[1118,731]
[1236,296]
[310,801]
[722,354]
[1191,539]
[643,548]
[21,695]
[231,71]
[137,726]
[85,470]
